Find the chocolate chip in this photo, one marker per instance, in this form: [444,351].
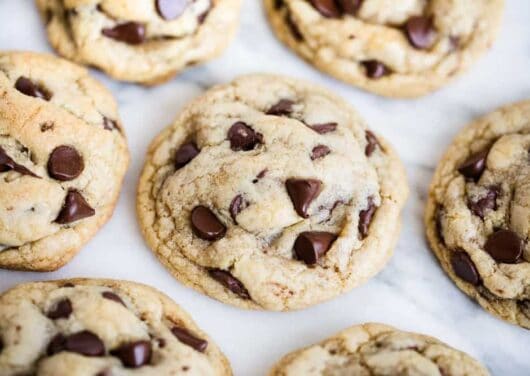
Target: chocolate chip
[189,339]
[65,163]
[243,137]
[365,218]
[28,87]
[420,32]
[474,166]
[8,164]
[112,296]
[205,224]
[372,143]
[1,345]
[504,246]
[47,126]
[324,128]
[110,124]
[134,354]
[488,202]
[129,32]
[375,69]
[293,27]
[84,343]
[278,4]
[62,310]
[185,154]
[327,8]
[171,9]
[283,108]
[262,174]
[228,281]
[75,208]
[349,6]
[319,151]
[312,245]
[236,206]
[302,193]
[68,285]
[464,267]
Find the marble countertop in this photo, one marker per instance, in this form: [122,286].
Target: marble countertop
[411,293]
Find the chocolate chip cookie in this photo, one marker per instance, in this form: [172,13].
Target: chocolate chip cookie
[144,41]
[63,156]
[392,48]
[102,328]
[378,350]
[478,212]
[271,193]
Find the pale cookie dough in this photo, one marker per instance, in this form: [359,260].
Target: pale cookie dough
[378,350]
[143,41]
[403,48]
[63,156]
[478,212]
[271,193]
[91,327]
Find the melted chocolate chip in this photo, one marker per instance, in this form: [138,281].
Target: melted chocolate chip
[311,246]
[65,163]
[365,218]
[206,225]
[170,9]
[283,108]
[75,208]
[129,32]
[8,164]
[185,154]
[474,166]
[110,124]
[84,343]
[420,32]
[372,143]
[112,296]
[505,246]
[324,128]
[230,282]
[293,27]
[236,206]
[243,137]
[488,202]
[189,339]
[375,69]
[30,88]
[464,267]
[319,151]
[349,6]
[134,354]
[62,310]
[327,8]
[302,193]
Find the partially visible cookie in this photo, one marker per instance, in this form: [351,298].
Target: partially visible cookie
[378,350]
[478,212]
[144,41]
[271,193]
[391,48]
[97,327]
[63,156]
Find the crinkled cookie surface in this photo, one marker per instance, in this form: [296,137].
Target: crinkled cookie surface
[63,156]
[402,48]
[478,212]
[271,193]
[378,350]
[145,41]
[86,327]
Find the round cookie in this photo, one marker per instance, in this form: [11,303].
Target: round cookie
[271,193]
[63,156]
[378,350]
[391,48]
[478,212]
[143,41]
[97,327]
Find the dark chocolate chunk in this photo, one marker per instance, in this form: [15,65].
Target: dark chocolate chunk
[134,354]
[236,206]
[420,32]
[32,89]
[375,69]
[488,202]
[84,343]
[474,166]
[372,143]
[365,218]
[243,137]
[324,127]
[302,193]
[129,32]
[75,208]
[112,296]
[185,154]
[283,108]
[327,8]
[62,310]
[189,339]
[65,163]
[230,282]
[310,246]
[206,225]
[8,164]
[505,246]
[319,151]
[464,267]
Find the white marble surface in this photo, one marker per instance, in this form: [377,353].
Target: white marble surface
[411,293]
